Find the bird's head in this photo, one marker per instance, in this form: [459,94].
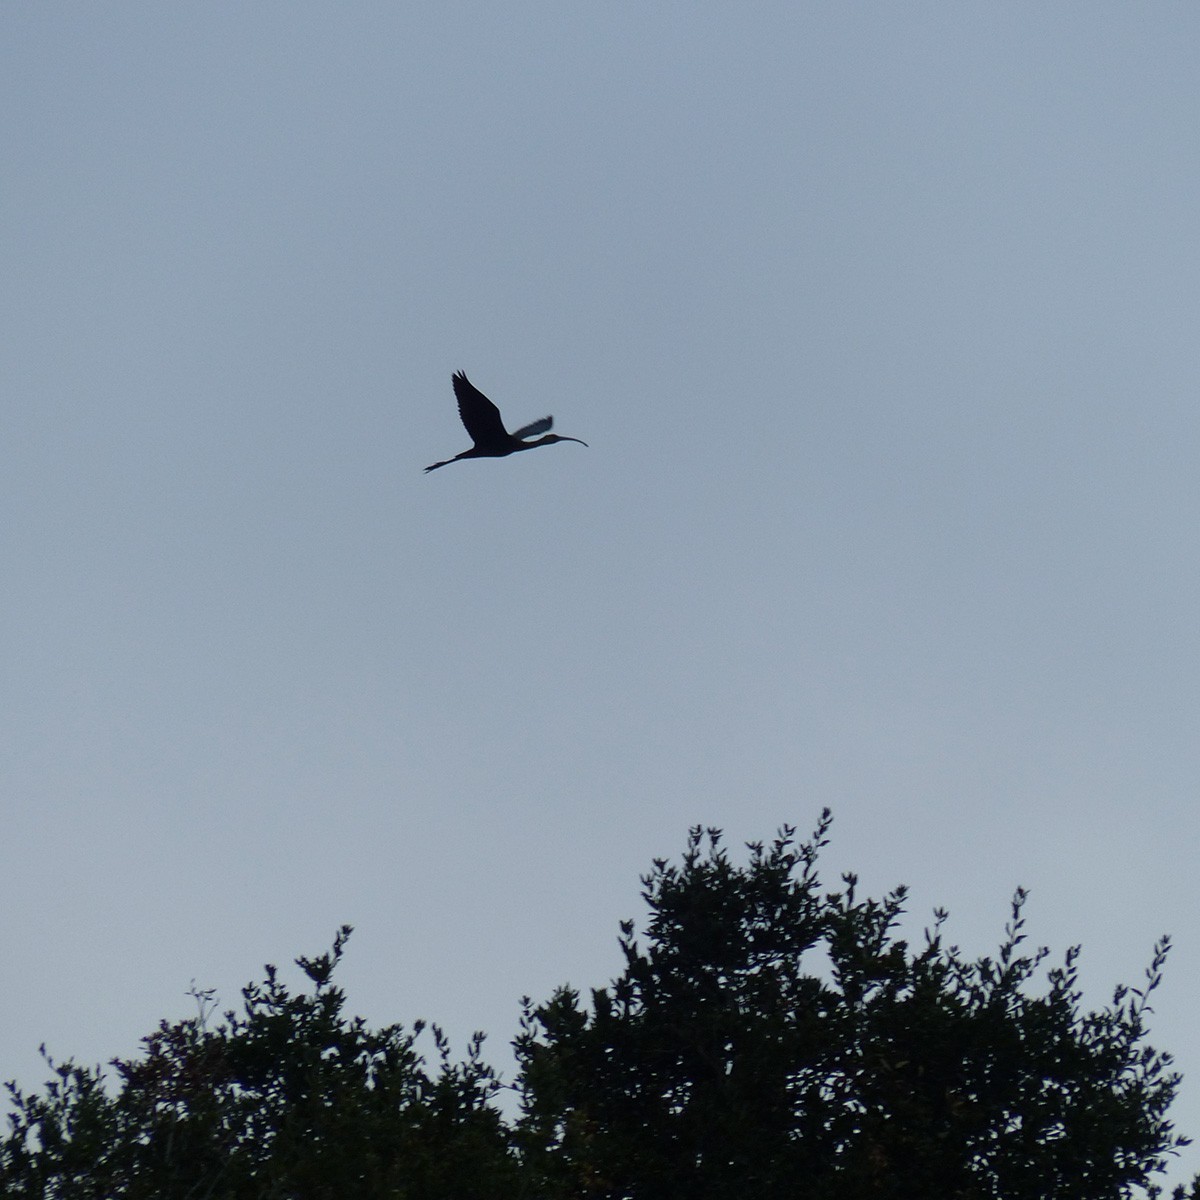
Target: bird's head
[554,437]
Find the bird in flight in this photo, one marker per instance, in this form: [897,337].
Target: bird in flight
[482,420]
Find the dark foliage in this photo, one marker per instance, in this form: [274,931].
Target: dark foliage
[765,1039]
[288,1099]
[768,1040]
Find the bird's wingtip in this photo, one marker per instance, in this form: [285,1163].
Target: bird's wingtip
[534,428]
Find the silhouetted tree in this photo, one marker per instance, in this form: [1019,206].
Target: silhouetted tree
[288,1099]
[768,1040]
[764,1040]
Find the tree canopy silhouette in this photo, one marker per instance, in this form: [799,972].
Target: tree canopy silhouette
[765,1039]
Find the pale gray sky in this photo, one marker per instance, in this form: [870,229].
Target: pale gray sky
[881,323]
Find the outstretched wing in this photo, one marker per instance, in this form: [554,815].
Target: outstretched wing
[534,427]
[480,416]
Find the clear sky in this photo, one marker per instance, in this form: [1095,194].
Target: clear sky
[881,323]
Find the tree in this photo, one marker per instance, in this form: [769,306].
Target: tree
[767,1040]
[288,1099]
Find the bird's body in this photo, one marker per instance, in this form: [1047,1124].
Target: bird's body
[482,421]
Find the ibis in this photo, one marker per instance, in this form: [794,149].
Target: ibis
[482,420]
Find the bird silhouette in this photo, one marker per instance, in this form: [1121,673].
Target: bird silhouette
[482,420]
